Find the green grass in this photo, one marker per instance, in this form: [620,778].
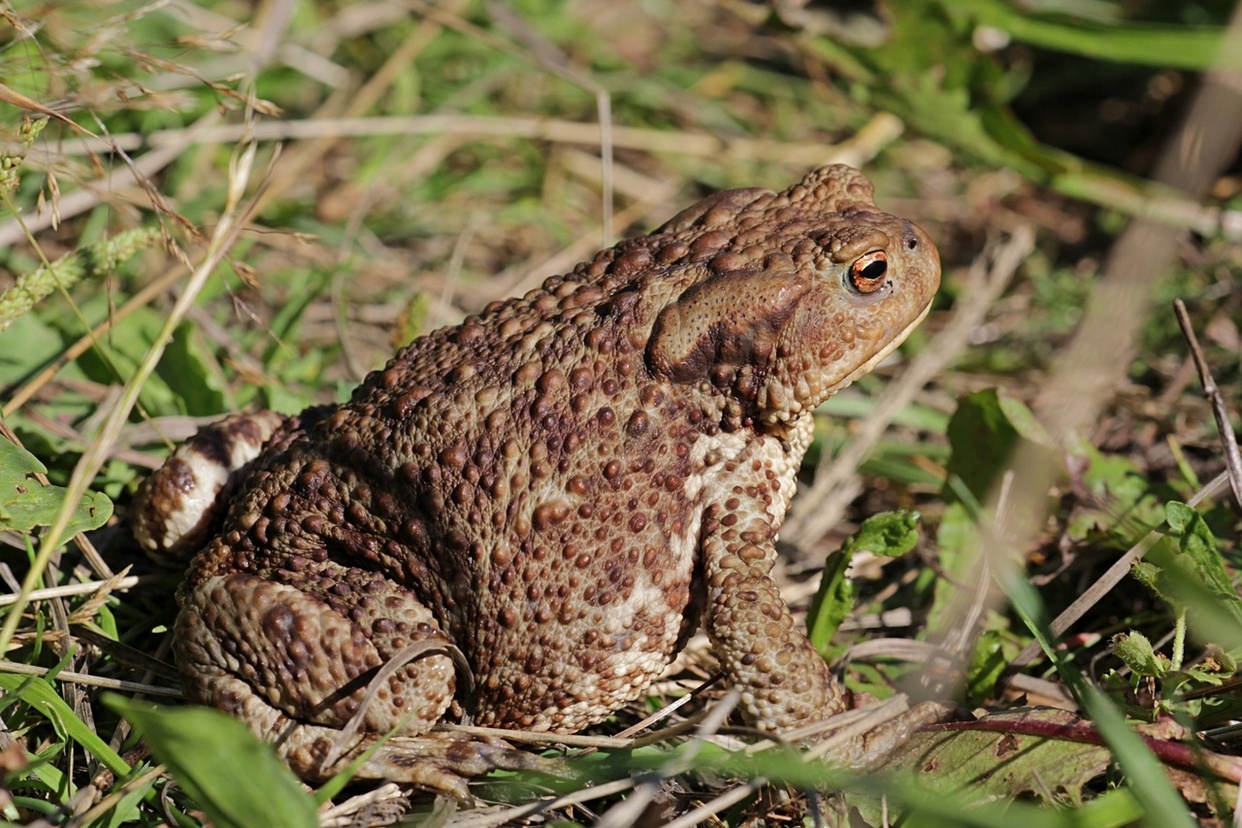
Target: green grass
[411,167]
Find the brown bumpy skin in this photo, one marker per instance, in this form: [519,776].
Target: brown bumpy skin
[557,491]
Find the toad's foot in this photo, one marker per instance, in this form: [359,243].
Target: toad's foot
[440,761]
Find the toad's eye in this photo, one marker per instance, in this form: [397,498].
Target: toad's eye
[867,273]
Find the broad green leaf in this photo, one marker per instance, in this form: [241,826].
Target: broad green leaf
[238,780]
[26,347]
[982,437]
[190,376]
[906,793]
[1003,765]
[26,503]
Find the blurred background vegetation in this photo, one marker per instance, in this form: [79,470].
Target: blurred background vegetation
[412,161]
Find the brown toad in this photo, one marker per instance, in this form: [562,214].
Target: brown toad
[530,512]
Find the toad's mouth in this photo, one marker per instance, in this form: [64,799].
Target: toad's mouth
[879,356]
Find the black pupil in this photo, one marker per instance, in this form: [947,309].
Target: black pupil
[873,271]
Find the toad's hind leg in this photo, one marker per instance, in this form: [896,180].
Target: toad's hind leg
[297,669]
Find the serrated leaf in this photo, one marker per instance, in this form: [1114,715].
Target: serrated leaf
[26,503]
[1136,651]
[891,534]
[250,787]
[994,649]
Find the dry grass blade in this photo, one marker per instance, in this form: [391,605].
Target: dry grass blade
[350,103]
[232,219]
[117,584]
[719,805]
[90,681]
[509,816]
[542,738]
[629,811]
[545,55]
[12,96]
[379,682]
[112,799]
[81,200]
[227,230]
[856,150]
[380,806]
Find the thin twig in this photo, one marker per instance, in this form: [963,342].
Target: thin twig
[632,807]
[512,815]
[864,145]
[1228,440]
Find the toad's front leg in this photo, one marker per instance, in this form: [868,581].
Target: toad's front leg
[784,682]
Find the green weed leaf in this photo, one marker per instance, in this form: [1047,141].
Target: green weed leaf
[26,503]
[891,534]
[1193,563]
[1033,766]
[1136,651]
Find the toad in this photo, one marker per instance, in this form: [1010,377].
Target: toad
[522,518]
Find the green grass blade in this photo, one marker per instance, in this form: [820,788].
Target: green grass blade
[43,698]
[1180,47]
